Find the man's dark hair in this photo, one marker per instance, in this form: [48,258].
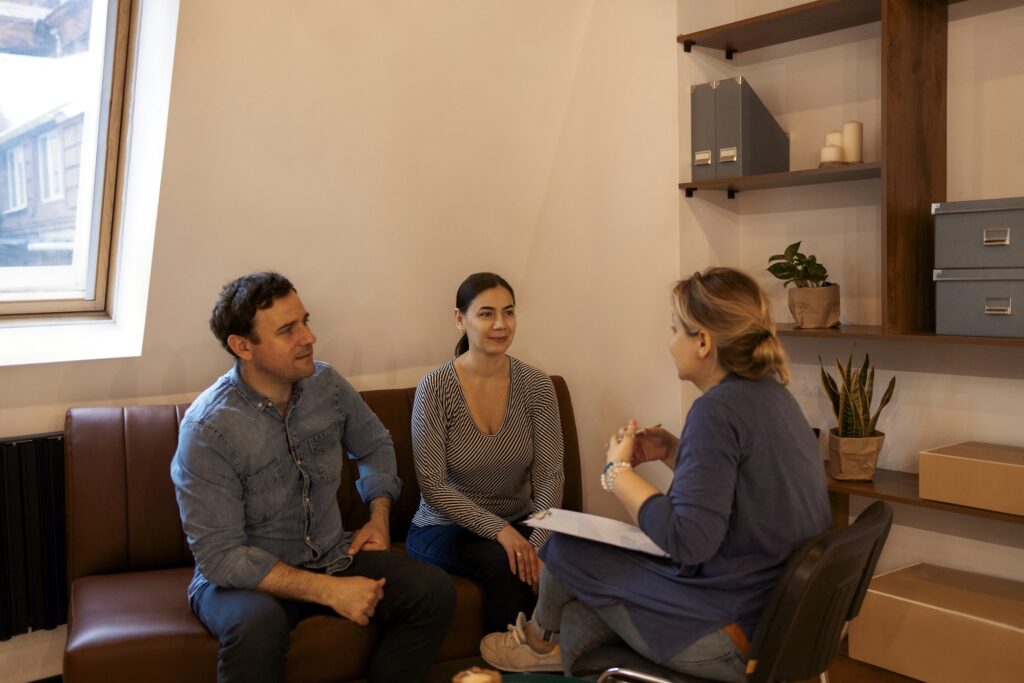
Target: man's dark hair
[238,302]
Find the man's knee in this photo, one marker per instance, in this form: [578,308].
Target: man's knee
[438,591]
[416,592]
[260,630]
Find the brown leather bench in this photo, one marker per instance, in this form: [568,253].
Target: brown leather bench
[129,564]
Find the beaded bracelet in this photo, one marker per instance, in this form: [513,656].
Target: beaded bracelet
[611,471]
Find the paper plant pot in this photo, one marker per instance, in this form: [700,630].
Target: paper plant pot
[853,457]
[815,306]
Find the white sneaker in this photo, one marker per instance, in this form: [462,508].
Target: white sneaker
[509,651]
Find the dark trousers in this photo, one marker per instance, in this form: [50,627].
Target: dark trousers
[253,627]
[461,552]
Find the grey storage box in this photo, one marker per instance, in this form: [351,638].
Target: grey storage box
[979,234]
[732,133]
[749,139]
[979,268]
[979,302]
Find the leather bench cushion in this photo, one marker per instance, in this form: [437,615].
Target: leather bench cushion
[142,621]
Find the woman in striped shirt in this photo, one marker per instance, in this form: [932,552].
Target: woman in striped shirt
[488,446]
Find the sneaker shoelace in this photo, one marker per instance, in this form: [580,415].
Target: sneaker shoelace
[512,637]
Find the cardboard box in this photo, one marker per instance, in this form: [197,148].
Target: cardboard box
[980,475]
[942,626]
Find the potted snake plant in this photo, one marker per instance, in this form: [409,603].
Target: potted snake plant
[855,443]
[813,301]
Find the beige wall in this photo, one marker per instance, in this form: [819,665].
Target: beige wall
[944,393]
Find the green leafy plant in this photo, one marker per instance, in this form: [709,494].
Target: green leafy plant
[851,403]
[799,269]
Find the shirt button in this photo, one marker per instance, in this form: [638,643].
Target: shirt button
[308,539]
[307,500]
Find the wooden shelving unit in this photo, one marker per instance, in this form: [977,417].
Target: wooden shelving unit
[897,487]
[912,173]
[912,168]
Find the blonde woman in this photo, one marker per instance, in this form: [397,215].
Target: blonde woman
[748,488]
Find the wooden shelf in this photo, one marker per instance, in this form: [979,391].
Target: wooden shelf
[764,181]
[793,23]
[877,332]
[901,487]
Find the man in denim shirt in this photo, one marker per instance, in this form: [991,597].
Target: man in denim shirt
[256,476]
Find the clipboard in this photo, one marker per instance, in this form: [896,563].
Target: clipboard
[595,528]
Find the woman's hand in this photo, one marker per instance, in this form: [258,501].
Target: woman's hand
[620,446]
[629,488]
[522,557]
[654,443]
[647,444]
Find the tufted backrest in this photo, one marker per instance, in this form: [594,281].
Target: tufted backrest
[121,511]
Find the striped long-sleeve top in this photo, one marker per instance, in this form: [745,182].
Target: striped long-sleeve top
[483,481]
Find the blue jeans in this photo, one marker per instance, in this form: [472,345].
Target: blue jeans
[253,627]
[583,628]
[461,552]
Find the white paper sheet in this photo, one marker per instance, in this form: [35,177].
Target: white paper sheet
[594,528]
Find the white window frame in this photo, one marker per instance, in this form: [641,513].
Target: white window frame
[17,192]
[117,331]
[50,148]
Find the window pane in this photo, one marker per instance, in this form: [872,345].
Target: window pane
[55,72]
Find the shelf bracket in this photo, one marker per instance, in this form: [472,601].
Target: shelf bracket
[732,193]
[689,191]
[729,52]
[688,46]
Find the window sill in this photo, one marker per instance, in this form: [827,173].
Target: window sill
[67,339]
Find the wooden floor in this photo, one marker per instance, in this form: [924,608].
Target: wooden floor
[846,670]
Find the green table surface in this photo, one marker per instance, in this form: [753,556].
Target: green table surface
[539,678]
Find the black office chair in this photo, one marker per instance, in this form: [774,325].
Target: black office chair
[821,588]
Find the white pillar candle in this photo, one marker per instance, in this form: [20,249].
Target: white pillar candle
[831,153]
[834,137]
[853,141]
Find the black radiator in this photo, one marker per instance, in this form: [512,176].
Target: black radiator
[33,556]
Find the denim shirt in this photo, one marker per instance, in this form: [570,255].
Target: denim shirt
[255,488]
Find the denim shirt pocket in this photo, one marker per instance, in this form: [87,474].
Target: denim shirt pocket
[265,495]
[325,448]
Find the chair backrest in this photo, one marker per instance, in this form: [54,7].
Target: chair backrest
[120,506]
[120,510]
[820,589]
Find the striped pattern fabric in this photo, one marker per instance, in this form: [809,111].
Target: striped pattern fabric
[482,481]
